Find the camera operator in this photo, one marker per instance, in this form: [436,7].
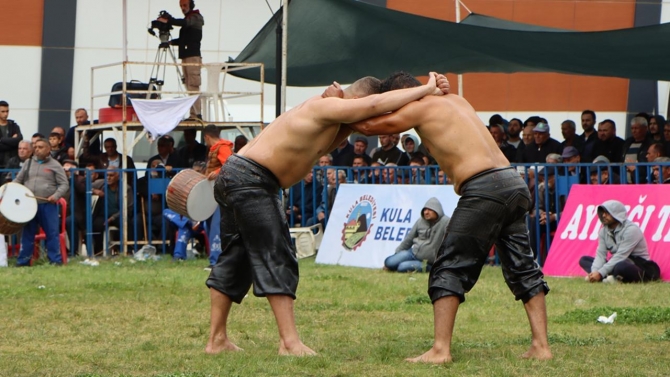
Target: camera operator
[189,39]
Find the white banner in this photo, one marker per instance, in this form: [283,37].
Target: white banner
[368,222]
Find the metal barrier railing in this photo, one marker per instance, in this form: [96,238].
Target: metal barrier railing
[91,199]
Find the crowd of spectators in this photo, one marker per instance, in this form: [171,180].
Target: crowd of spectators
[99,162]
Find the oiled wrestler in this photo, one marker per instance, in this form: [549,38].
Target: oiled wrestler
[494,202]
[255,241]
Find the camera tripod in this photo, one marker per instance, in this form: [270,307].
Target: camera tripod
[159,67]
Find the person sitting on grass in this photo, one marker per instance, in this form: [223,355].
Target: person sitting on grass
[630,262]
[422,241]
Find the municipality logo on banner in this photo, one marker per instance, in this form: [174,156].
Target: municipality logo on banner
[359,222]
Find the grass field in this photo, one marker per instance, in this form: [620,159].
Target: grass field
[152,318]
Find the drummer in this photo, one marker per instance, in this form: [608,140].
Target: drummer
[46,178]
[219,151]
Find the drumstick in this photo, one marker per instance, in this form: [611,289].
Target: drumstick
[37,197]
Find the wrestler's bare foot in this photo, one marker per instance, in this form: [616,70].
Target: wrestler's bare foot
[294,349]
[538,353]
[433,356]
[217,346]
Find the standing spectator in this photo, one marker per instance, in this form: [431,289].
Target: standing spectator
[666,132]
[17,162]
[589,136]
[411,145]
[389,153]
[418,171]
[570,138]
[602,173]
[571,155]
[78,206]
[189,39]
[422,242]
[655,150]
[528,136]
[514,132]
[498,134]
[193,151]
[655,124]
[662,172]
[541,146]
[81,117]
[608,143]
[10,135]
[360,148]
[630,262]
[343,154]
[58,152]
[325,160]
[635,150]
[46,178]
[166,154]
[35,137]
[240,142]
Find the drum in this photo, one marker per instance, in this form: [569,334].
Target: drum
[17,207]
[190,194]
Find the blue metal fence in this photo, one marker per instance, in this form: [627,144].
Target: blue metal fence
[307,204]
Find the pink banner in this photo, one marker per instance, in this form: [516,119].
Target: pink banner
[577,235]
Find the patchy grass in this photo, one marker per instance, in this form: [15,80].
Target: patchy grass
[152,319]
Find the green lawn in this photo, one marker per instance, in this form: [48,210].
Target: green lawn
[152,318]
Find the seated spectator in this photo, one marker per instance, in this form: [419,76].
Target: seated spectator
[35,137]
[360,175]
[390,174]
[655,150]
[303,195]
[200,167]
[571,155]
[58,152]
[240,142]
[662,172]
[151,205]
[570,138]
[324,161]
[417,175]
[335,178]
[374,174]
[442,178]
[81,117]
[167,155]
[624,240]
[193,150]
[108,210]
[554,158]
[186,230]
[422,242]
[603,174]
[78,184]
[635,150]
[25,152]
[549,209]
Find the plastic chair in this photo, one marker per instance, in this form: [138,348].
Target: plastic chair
[306,241]
[62,235]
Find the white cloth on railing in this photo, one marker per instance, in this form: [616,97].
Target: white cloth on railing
[160,116]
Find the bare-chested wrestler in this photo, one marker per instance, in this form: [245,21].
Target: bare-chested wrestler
[255,241]
[492,209]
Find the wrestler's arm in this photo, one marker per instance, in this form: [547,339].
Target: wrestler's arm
[335,110]
[409,116]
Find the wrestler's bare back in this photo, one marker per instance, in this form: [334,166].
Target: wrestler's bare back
[290,146]
[451,130]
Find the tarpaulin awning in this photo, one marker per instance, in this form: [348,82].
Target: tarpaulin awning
[344,40]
